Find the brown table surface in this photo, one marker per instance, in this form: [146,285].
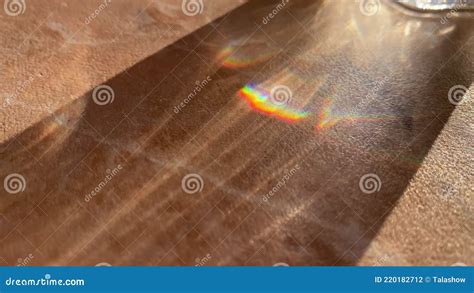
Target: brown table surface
[374,89]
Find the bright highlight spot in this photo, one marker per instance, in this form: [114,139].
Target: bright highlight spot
[328,116]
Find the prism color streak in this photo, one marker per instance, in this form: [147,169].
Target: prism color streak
[232,57]
[259,100]
[327,117]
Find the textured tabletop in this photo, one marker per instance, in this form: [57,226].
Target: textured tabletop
[235,133]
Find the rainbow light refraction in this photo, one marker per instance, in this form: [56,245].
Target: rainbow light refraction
[328,117]
[258,99]
[231,57]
